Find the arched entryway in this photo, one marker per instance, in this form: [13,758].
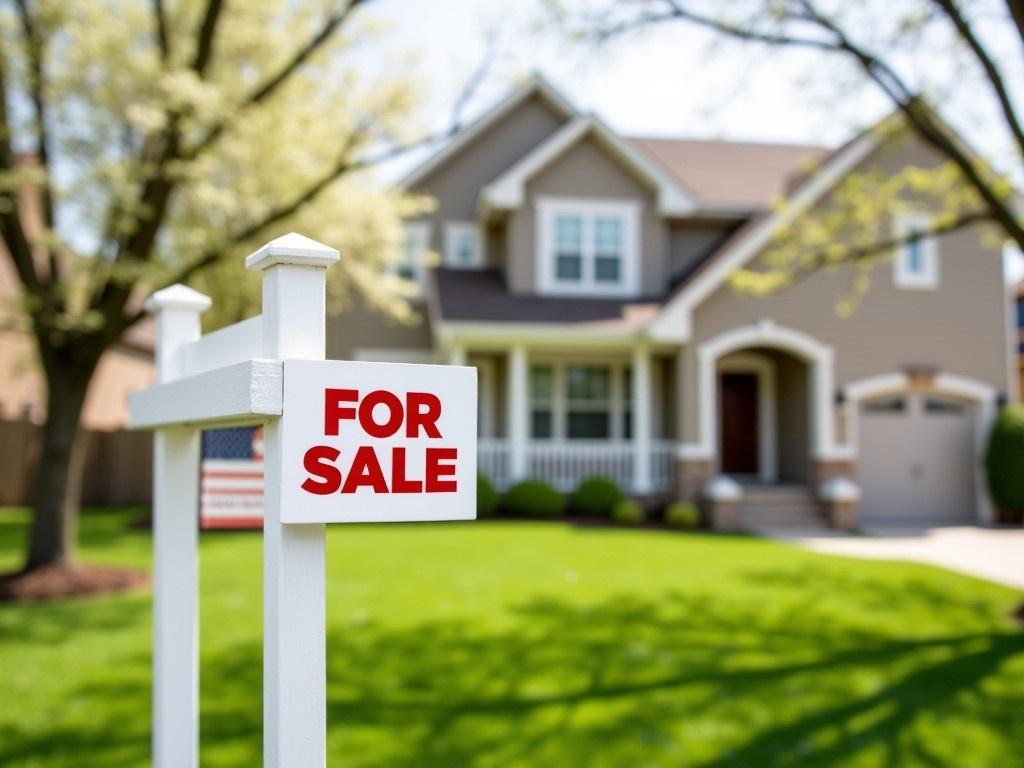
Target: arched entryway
[765,399]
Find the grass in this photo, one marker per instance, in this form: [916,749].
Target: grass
[521,644]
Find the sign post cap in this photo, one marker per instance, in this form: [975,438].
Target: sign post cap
[177,296]
[292,248]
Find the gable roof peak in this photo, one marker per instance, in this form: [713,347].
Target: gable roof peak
[536,84]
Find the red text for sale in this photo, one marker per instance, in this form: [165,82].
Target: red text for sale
[380,414]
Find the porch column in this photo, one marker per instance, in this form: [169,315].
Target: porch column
[642,418]
[517,412]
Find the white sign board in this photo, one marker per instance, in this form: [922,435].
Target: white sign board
[377,442]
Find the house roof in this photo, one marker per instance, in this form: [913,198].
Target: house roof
[482,296]
[731,174]
[507,191]
[537,86]
[674,320]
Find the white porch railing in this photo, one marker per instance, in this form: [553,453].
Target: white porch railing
[492,461]
[563,463]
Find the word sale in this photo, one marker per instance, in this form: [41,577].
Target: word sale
[417,417]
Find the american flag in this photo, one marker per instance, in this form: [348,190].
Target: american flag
[231,478]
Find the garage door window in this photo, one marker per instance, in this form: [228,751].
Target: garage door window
[886,405]
[943,405]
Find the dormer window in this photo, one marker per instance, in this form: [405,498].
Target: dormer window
[588,247]
[916,264]
[462,245]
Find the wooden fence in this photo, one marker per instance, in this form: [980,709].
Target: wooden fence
[118,465]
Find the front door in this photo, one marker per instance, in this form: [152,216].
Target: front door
[738,418]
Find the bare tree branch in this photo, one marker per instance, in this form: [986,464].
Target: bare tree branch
[163,37]
[1016,8]
[992,72]
[10,224]
[919,115]
[279,78]
[881,246]
[207,35]
[35,45]
[929,127]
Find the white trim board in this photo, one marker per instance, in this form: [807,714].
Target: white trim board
[536,85]
[508,191]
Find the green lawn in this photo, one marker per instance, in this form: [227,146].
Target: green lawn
[518,644]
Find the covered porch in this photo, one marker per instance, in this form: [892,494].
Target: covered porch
[559,412]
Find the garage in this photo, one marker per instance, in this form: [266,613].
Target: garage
[917,459]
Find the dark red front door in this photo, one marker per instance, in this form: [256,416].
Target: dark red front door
[738,417]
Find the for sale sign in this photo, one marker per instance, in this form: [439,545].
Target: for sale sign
[377,442]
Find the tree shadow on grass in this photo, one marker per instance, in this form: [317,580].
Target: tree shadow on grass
[686,680]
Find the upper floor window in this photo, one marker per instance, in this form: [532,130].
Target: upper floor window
[588,247]
[412,265]
[916,264]
[462,245]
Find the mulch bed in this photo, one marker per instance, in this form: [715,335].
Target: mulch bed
[63,581]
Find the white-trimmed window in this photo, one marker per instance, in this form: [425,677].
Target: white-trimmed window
[916,264]
[413,262]
[579,401]
[463,246]
[588,247]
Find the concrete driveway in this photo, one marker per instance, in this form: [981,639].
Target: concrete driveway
[989,553]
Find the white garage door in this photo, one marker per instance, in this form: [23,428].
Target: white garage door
[916,459]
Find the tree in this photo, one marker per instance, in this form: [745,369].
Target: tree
[880,43]
[144,144]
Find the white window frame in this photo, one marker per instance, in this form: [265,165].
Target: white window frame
[548,208]
[419,232]
[903,276]
[453,230]
[559,405]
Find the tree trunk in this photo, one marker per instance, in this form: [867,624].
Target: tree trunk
[58,481]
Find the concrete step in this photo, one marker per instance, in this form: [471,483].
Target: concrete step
[779,507]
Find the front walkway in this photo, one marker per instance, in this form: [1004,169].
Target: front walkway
[989,553]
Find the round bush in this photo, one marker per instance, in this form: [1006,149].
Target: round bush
[534,498]
[682,514]
[486,497]
[596,496]
[1004,463]
[628,512]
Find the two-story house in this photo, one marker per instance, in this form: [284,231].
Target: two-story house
[586,275]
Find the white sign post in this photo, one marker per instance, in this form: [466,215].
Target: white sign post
[344,442]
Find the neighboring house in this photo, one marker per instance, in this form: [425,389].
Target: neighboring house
[585,274]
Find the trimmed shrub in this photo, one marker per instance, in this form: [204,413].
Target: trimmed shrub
[628,512]
[487,498]
[682,514]
[596,496]
[534,498]
[1004,463]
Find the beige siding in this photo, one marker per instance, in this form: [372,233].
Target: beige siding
[361,327]
[585,171]
[456,184]
[958,328]
[689,241]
